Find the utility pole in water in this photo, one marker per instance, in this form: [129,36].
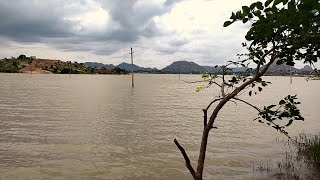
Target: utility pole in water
[70,69]
[290,74]
[131,52]
[179,72]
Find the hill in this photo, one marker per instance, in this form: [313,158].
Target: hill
[99,65]
[211,69]
[136,68]
[129,67]
[23,64]
[183,67]
[284,69]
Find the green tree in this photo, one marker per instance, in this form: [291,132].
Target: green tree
[282,31]
[22,57]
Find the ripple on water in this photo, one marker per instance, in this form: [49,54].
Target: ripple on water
[88,126]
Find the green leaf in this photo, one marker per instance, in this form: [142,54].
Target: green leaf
[205,75]
[259,5]
[233,16]
[282,102]
[290,63]
[291,7]
[257,12]
[267,10]
[274,9]
[276,2]
[264,84]
[260,89]
[279,62]
[252,6]
[271,106]
[267,3]
[299,117]
[259,79]
[290,122]
[199,88]
[250,93]
[245,20]
[246,9]
[227,23]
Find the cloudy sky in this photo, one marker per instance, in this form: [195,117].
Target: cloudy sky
[160,31]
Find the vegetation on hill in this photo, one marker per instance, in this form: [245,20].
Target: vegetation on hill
[24,64]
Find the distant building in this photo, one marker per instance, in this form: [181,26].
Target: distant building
[33,57]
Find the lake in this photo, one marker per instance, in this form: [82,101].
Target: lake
[99,127]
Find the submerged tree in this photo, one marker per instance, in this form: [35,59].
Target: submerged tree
[282,31]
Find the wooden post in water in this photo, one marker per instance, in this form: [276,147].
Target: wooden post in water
[70,69]
[290,74]
[179,72]
[131,52]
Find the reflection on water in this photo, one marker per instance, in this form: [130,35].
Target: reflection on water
[98,127]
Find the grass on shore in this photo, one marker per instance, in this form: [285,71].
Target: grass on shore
[302,160]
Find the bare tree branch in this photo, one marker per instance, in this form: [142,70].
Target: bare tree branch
[216,83]
[186,158]
[192,82]
[212,103]
[259,110]
[208,80]
[262,58]
[205,117]
[255,107]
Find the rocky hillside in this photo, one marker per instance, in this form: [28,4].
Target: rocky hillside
[23,64]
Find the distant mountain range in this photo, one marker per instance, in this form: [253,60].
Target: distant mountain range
[283,69]
[99,65]
[186,67]
[123,65]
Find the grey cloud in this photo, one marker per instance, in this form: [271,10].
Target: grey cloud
[21,21]
[170,3]
[179,42]
[135,18]
[46,22]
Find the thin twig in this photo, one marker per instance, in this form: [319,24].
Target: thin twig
[185,156]
[191,82]
[259,110]
[212,103]
[255,107]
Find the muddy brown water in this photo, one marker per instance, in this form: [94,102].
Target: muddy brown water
[98,127]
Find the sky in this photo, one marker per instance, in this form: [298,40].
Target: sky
[160,31]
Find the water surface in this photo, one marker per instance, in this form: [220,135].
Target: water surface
[98,127]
